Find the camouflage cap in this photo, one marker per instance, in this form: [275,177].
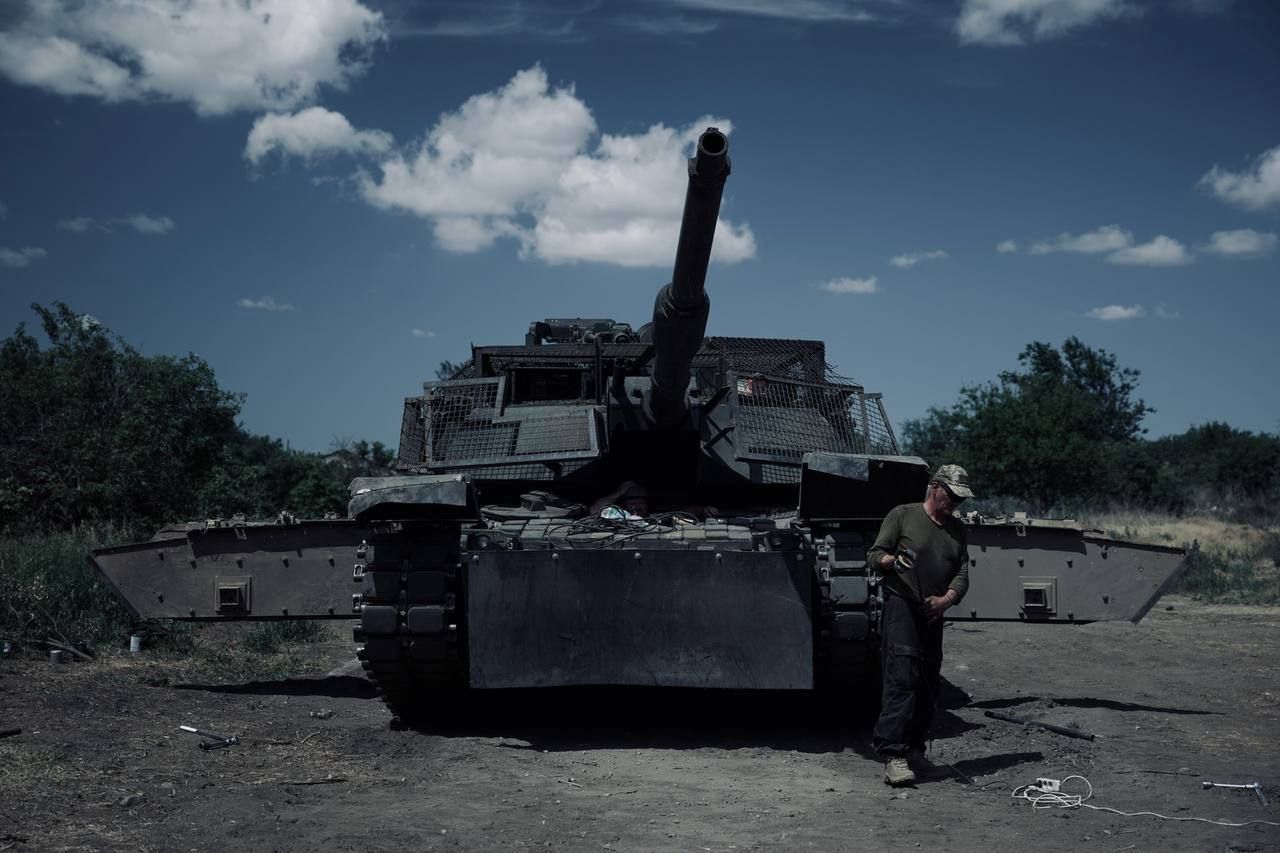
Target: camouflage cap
[956,480]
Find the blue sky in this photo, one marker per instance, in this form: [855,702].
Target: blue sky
[324,199]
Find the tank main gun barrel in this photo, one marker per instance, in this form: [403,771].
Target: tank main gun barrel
[681,309]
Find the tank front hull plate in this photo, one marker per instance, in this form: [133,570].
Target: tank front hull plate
[737,620]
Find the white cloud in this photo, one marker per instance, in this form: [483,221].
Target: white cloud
[40,58]
[140,222]
[217,55]
[1166,313]
[20,257]
[266,303]
[1160,252]
[488,20]
[1007,247]
[622,204]
[795,10]
[1118,243]
[1117,312]
[667,25]
[851,285]
[144,224]
[468,234]
[79,224]
[493,154]
[1242,243]
[1253,189]
[912,258]
[1108,238]
[312,133]
[514,163]
[423,333]
[1013,22]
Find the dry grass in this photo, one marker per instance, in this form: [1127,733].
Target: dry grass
[1164,529]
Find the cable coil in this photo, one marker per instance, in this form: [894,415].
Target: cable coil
[1041,798]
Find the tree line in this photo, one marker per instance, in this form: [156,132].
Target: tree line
[1064,432]
[92,432]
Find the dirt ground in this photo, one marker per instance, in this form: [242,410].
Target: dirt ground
[1189,695]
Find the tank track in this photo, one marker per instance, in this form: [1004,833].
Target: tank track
[411,617]
[848,620]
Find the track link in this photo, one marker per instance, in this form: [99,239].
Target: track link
[411,617]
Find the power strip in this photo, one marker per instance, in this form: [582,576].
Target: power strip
[1048,786]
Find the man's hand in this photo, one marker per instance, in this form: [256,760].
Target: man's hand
[936,605]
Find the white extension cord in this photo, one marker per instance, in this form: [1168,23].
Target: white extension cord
[1048,793]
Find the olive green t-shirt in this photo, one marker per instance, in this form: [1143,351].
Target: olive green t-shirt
[942,552]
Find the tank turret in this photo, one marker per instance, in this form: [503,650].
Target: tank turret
[681,309]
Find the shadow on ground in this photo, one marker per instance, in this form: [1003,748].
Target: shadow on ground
[1085,702]
[576,718]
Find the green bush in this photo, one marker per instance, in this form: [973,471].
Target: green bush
[92,431]
[50,590]
[1233,575]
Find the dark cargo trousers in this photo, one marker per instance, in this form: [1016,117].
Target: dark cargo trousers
[911,672]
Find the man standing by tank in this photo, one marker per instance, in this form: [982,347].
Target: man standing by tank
[922,551]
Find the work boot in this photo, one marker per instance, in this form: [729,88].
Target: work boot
[923,767]
[897,772]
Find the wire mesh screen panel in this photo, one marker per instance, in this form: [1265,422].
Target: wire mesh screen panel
[773,474]
[779,420]
[413,436]
[803,361]
[556,435]
[879,430]
[465,426]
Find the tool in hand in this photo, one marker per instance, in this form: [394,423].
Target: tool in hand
[215,741]
[1252,786]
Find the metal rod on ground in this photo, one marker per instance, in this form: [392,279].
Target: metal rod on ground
[1062,730]
[1256,787]
[69,649]
[217,741]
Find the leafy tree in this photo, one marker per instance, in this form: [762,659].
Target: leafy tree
[254,476]
[92,430]
[259,477]
[323,486]
[1061,427]
[363,459]
[1215,465]
[447,369]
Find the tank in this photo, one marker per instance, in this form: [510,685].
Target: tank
[498,557]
